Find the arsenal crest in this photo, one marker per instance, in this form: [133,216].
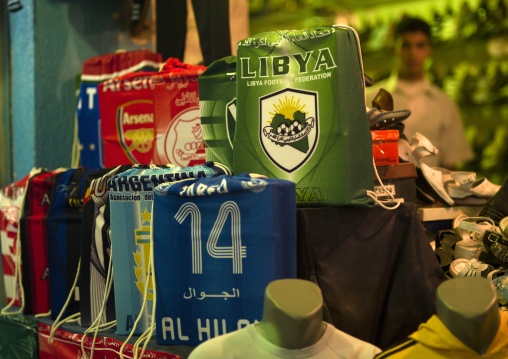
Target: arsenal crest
[135,128]
[288,127]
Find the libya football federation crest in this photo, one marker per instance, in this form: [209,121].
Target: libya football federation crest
[288,128]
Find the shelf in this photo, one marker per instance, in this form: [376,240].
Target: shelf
[440,213]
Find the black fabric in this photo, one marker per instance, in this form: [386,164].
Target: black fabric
[25,259]
[89,250]
[73,218]
[87,232]
[375,267]
[497,206]
[212,20]
[84,273]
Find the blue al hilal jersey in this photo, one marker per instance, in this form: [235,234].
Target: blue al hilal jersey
[218,242]
[131,197]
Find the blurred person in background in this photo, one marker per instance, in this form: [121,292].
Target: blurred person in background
[433,113]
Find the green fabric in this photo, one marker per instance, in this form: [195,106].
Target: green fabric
[311,79]
[19,338]
[217,103]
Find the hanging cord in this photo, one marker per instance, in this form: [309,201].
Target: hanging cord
[96,324]
[146,337]
[17,283]
[99,328]
[147,334]
[59,322]
[42,315]
[145,300]
[152,324]
[17,265]
[76,155]
[372,195]
[70,319]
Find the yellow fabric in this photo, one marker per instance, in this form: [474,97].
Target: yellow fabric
[434,341]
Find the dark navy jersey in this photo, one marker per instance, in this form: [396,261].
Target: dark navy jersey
[64,233]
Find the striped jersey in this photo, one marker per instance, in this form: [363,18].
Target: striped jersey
[96,247]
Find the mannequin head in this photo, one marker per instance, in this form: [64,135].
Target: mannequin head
[292,313]
[412,48]
[468,307]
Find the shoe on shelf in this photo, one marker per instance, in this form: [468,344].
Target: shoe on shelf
[429,180]
[383,100]
[368,80]
[462,233]
[463,177]
[382,120]
[503,226]
[444,258]
[497,206]
[467,250]
[470,186]
[501,284]
[422,147]
[406,152]
[482,187]
[446,239]
[470,268]
[435,179]
[499,278]
[473,229]
[418,148]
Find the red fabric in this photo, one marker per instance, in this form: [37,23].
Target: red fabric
[178,138]
[106,64]
[68,345]
[127,119]
[9,223]
[38,198]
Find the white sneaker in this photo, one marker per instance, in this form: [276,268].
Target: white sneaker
[422,147]
[406,152]
[419,148]
[435,178]
[472,229]
[470,268]
[467,250]
[463,177]
[466,185]
[503,226]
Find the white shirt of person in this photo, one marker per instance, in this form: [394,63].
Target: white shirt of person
[433,114]
[248,343]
